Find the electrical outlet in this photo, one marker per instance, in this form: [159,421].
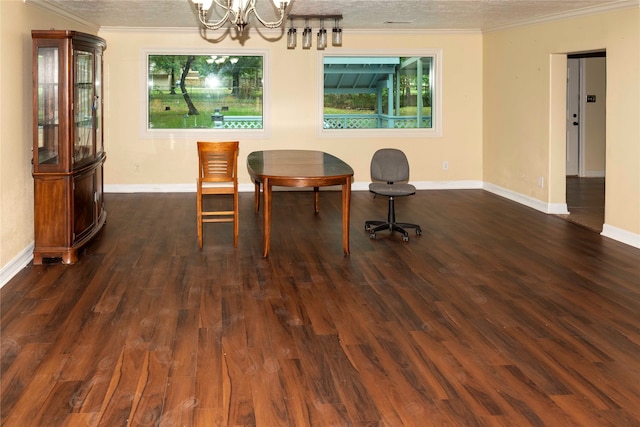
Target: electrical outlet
[445,165]
[541,181]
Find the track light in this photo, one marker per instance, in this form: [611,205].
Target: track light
[307,33]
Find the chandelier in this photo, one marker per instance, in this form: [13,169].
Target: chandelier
[237,13]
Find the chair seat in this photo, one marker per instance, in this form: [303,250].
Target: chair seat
[392,190]
[217,185]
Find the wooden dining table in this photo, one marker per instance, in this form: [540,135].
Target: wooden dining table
[298,168]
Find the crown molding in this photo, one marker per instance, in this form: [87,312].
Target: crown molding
[52,8]
[592,10]
[279,31]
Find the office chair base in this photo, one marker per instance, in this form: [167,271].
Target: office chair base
[374,226]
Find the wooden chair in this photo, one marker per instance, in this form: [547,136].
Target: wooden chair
[218,174]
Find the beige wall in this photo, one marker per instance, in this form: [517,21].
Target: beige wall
[294,107]
[16,184]
[523,106]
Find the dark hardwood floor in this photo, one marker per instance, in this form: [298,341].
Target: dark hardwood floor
[497,315]
[585,202]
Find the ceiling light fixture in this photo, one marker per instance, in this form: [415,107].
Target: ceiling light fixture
[307,34]
[236,12]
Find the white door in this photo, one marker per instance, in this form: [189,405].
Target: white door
[573,116]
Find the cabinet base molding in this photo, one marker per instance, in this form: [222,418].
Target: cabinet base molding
[68,255]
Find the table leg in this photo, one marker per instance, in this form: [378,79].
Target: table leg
[256,196]
[266,197]
[346,206]
[316,199]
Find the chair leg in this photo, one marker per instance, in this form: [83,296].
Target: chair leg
[235,219]
[374,226]
[199,215]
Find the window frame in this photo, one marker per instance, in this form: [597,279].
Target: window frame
[436,95]
[217,133]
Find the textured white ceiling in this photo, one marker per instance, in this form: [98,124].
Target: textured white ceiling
[358,14]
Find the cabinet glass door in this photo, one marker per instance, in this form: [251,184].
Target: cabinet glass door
[48,98]
[98,105]
[84,107]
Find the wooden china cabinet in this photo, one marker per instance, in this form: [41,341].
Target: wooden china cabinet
[68,150]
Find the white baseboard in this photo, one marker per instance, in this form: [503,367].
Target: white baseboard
[624,236]
[539,205]
[14,266]
[356,186]
[150,188]
[447,185]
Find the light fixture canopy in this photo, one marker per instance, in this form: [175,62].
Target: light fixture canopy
[237,13]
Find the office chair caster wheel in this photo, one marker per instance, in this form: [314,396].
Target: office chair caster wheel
[405,238]
[418,231]
[372,235]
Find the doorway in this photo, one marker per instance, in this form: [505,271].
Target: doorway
[586,139]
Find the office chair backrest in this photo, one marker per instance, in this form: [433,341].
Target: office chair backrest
[389,165]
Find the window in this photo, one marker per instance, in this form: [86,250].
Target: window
[376,95]
[205,92]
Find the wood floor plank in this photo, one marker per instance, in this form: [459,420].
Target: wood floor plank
[180,403]
[266,386]
[349,385]
[25,410]
[120,395]
[497,315]
[238,365]
[148,400]
[25,360]
[296,394]
[59,403]
[209,374]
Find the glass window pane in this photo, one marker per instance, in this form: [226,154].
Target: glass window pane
[205,92]
[378,92]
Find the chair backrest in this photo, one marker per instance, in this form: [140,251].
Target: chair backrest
[389,165]
[218,161]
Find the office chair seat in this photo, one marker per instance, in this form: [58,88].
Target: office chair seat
[392,190]
[391,167]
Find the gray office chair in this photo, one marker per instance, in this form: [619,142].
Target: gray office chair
[390,173]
